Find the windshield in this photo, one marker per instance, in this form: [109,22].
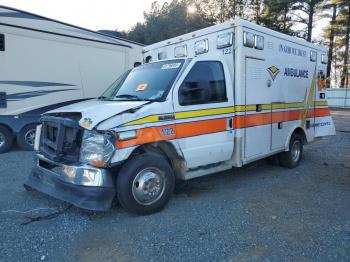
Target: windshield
[149,82]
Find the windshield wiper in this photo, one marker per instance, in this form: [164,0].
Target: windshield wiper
[133,97]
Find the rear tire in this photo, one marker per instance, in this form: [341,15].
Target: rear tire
[26,137]
[292,158]
[6,139]
[145,184]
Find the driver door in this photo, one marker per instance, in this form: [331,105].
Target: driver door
[204,110]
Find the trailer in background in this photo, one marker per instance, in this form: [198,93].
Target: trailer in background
[46,64]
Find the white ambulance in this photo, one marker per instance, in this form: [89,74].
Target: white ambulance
[201,103]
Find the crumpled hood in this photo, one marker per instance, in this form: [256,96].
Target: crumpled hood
[95,111]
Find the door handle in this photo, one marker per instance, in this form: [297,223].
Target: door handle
[229,123]
[258,108]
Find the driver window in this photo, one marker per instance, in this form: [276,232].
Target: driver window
[204,84]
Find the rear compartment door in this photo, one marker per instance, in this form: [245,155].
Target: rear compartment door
[257,139]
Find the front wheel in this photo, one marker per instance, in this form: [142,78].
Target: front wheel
[292,158]
[145,184]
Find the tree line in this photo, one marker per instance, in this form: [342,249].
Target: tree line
[292,17]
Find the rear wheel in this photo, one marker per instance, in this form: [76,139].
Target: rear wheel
[6,139]
[145,184]
[292,158]
[26,137]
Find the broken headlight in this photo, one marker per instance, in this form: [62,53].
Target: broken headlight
[97,149]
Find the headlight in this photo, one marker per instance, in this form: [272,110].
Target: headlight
[97,149]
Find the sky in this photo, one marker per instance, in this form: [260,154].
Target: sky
[98,14]
[91,14]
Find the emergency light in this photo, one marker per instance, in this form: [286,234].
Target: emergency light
[313,56]
[162,56]
[224,40]
[201,46]
[248,39]
[180,51]
[259,42]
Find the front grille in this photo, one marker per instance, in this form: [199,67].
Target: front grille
[60,139]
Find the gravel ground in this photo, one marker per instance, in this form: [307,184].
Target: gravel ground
[259,213]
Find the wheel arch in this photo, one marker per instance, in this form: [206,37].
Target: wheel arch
[167,150]
[297,130]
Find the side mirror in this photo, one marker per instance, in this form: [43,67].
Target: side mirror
[136,64]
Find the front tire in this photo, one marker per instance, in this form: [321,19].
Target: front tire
[145,184]
[292,158]
[6,139]
[26,137]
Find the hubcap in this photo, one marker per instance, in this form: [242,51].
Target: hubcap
[296,150]
[2,139]
[148,186]
[29,137]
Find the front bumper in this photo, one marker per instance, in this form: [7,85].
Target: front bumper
[45,178]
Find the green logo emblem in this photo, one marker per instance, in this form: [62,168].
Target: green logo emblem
[273,71]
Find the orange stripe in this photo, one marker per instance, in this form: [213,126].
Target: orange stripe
[145,136]
[320,112]
[182,130]
[200,128]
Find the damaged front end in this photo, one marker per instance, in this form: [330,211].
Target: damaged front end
[71,163]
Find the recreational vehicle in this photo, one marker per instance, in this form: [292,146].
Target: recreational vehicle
[46,64]
[204,102]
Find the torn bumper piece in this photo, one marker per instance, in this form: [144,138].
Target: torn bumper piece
[83,186]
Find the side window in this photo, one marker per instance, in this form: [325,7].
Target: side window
[205,83]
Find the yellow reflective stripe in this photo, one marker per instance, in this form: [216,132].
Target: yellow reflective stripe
[205,112]
[308,101]
[243,108]
[266,107]
[185,114]
[219,111]
[322,103]
[147,119]
[287,105]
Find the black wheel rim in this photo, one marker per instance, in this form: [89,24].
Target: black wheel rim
[29,137]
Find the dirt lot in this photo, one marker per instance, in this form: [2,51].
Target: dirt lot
[259,213]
